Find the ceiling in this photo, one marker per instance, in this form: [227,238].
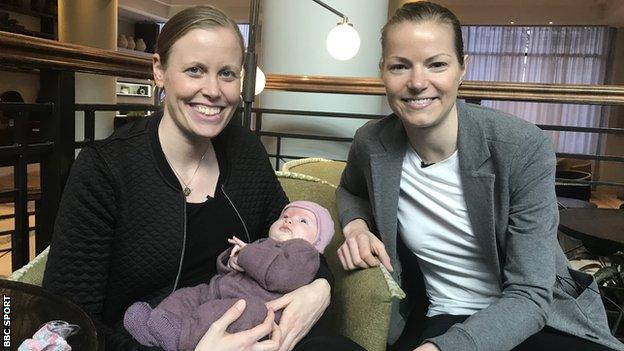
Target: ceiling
[533,12]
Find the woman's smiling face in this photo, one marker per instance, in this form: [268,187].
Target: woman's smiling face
[201,81]
[421,72]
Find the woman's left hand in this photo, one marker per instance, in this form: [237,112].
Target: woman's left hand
[427,347]
[302,308]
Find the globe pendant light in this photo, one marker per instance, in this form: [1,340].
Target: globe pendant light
[260,79]
[343,41]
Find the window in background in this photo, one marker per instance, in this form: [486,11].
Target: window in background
[244,29]
[556,55]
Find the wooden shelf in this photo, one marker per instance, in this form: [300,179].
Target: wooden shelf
[25,51]
[26,11]
[28,32]
[136,53]
[13,68]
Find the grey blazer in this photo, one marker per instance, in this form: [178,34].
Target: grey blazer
[507,171]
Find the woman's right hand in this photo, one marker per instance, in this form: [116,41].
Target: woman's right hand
[218,339]
[362,249]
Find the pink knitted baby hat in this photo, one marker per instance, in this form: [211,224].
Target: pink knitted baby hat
[324,222]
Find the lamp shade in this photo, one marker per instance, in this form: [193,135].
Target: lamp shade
[260,81]
[343,42]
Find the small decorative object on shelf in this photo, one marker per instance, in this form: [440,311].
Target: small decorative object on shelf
[131,43]
[122,41]
[134,89]
[140,45]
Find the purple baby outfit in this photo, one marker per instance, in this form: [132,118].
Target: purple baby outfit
[272,268]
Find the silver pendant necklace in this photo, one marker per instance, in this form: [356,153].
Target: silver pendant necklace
[187,189]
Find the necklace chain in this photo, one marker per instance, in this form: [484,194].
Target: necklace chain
[187,189]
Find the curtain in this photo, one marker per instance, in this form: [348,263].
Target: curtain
[559,55]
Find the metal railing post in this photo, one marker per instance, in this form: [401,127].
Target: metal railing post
[89,125]
[19,239]
[57,87]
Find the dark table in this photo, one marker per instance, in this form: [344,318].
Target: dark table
[601,230]
[29,307]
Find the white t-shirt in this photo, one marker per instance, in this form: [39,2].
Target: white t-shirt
[434,224]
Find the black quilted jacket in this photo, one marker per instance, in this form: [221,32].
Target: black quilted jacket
[120,228]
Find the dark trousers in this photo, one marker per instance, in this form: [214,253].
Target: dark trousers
[322,337]
[328,343]
[547,339]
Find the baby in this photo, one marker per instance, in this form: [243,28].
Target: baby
[258,272]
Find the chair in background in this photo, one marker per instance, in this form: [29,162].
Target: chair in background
[571,164]
[573,190]
[573,169]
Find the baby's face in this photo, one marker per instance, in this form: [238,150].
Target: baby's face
[294,223]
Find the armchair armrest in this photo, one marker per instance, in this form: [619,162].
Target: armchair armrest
[362,304]
[32,273]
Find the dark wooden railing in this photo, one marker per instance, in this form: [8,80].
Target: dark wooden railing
[27,52]
[470,90]
[57,64]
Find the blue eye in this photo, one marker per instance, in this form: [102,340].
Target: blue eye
[194,71]
[397,67]
[228,74]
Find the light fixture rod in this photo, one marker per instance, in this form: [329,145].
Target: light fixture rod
[330,8]
[249,81]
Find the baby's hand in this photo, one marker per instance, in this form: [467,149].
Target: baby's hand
[233,260]
[233,263]
[238,245]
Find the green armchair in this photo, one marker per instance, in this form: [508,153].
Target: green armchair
[361,300]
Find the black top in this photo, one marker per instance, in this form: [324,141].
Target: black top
[208,224]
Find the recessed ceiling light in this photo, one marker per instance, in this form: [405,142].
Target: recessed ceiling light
[550,22]
[512,22]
